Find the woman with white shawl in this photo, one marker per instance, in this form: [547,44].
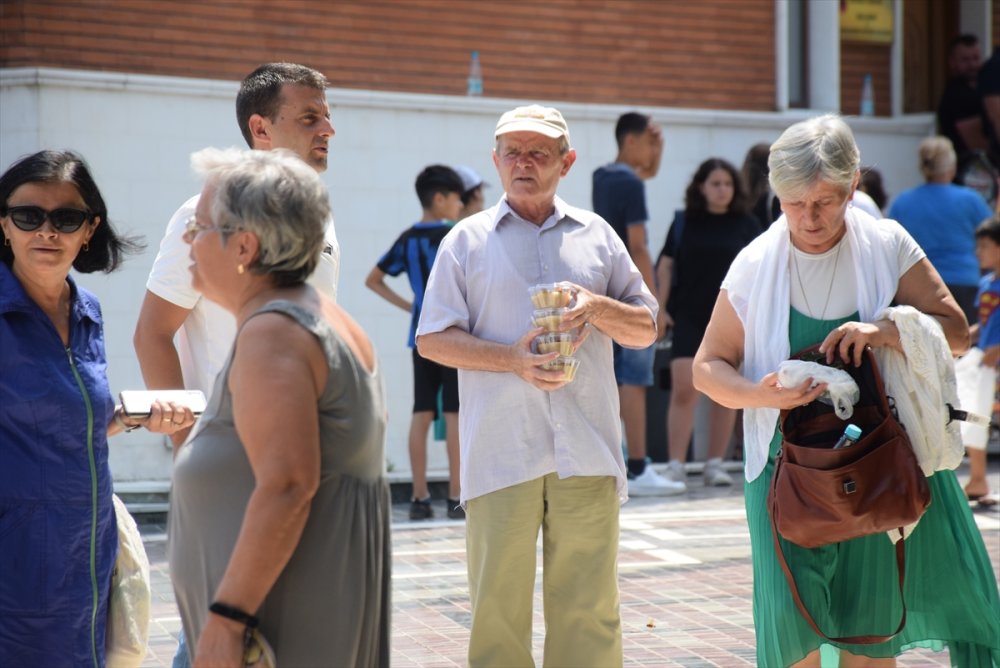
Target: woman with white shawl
[823,273]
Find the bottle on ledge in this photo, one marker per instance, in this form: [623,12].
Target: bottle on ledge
[867,96]
[475,84]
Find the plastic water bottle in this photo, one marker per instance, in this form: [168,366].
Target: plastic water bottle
[475,76]
[851,435]
[867,96]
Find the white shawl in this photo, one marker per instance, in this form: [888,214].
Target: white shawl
[921,379]
[758,288]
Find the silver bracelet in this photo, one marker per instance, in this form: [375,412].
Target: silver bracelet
[119,412]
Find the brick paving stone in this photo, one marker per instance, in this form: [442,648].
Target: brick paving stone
[684,568]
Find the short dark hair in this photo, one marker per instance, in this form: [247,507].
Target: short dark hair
[755,171]
[694,200]
[260,91]
[965,39]
[630,123]
[437,179]
[871,184]
[989,229]
[106,248]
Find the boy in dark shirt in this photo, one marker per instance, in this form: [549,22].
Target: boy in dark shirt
[619,196]
[440,191]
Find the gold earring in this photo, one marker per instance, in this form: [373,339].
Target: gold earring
[86,246]
[6,241]
[240,269]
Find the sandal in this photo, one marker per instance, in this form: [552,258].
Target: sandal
[987,500]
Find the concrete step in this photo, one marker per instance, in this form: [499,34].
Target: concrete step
[149,508]
[149,501]
[150,497]
[144,497]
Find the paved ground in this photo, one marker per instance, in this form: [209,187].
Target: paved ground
[684,572]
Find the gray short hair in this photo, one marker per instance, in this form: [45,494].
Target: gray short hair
[818,149]
[937,156]
[563,147]
[278,198]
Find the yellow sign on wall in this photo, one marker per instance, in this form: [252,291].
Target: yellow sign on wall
[866,21]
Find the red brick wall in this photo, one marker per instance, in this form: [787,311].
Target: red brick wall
[710,53]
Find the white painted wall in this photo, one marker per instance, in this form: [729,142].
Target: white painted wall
[137,133]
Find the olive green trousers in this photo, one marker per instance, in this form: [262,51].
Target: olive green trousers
[578,517]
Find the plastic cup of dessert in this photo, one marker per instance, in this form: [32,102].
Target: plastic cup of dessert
[568,365]
[551,295]
[557,342]
[549,318]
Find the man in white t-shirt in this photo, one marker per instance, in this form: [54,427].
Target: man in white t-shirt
[181,338]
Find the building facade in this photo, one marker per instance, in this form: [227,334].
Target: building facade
[137,86]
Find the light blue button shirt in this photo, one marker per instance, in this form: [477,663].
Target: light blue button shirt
[510,431]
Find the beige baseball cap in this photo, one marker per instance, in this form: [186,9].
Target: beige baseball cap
[534,118]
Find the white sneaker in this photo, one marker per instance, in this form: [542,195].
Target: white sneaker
[651,483]
[676,471]
[715,475]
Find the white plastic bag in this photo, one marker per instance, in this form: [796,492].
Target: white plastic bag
[976,388]
[130,600]
[841,390]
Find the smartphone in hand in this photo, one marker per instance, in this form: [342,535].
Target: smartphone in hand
[139,403]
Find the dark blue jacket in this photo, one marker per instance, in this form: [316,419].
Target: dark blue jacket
[58,538]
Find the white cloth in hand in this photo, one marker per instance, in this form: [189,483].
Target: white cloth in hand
[841,390]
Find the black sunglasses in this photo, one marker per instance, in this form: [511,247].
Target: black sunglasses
[30,218]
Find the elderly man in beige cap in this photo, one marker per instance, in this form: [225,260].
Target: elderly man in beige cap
[538,451]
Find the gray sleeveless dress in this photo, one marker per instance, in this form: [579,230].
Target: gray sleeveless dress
[330,606]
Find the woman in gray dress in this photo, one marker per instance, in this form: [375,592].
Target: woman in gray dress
[279,515]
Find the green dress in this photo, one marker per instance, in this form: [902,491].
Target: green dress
[851,587]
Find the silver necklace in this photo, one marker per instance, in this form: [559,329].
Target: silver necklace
[829,290]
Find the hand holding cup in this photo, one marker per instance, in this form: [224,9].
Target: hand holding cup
[530,366]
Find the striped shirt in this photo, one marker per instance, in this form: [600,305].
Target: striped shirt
[414,252]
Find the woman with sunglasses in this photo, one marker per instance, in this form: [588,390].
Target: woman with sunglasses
[58,536]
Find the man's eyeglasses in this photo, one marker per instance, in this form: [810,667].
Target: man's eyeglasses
[193,227]
[30,218]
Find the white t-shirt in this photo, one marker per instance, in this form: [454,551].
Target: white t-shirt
[830,280]
[863,201]
[204,339]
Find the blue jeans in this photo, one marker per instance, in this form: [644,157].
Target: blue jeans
[634,367]
[181,659]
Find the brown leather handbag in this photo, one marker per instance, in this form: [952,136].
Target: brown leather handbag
[820,495]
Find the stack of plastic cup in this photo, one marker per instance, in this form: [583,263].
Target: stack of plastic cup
[551,301]
[551,295]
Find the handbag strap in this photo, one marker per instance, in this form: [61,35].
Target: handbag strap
[851,640]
